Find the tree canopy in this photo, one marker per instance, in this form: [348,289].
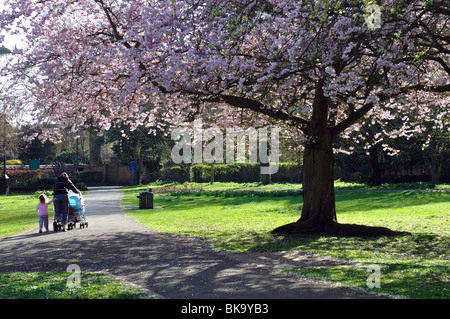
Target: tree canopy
[99,61]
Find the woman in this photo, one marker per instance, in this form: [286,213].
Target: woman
[61,198]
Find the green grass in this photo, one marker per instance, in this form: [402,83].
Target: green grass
[18,213]
[414,266]
[53,285]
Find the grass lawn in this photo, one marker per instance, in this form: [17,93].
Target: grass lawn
[414,266]
[18,213]
[53,285]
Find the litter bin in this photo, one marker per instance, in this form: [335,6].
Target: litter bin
[4,184]
[146,199]
[34,164]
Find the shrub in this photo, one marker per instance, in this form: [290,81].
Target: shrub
[48,193]
[237,172]
[175,174]
[13,162]
[288,172]
[200,173]
[46,182]
[23,177]
[234,172]
[91,177]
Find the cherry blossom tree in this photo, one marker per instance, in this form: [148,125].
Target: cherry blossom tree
[321,67]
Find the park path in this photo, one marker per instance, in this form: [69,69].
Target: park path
[166,266]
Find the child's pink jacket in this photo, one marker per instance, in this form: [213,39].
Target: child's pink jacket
[42,209]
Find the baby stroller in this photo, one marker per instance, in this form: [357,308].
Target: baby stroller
[76,213]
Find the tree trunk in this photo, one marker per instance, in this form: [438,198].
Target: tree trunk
[375,178]
[95,150]
[436,165]
[319,210]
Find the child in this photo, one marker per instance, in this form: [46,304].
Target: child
[42,210]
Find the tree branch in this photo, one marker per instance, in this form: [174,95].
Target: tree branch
[259,107]
[351,119]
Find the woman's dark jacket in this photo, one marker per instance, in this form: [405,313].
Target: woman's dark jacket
[63,185]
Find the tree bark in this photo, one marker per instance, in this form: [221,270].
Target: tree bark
[95,150]
[436,166]
[319,210]
[375,178]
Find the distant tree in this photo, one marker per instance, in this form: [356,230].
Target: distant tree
[8,139]
[140,146]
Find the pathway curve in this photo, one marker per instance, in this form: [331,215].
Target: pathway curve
[170,267]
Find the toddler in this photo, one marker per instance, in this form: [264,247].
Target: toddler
[42,210]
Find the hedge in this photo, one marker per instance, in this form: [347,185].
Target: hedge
[91,177]
[234,172]
[174,174]
[12,162]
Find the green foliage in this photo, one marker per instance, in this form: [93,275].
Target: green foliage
[43,182]
[12,162]
[67,157]
[22,177]
[90,177]
[48,193]
[18,213]
[174,174]
[234,172]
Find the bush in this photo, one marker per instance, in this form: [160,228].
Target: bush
[175,174]
[48,193]
[288,172]
[44,182]
[234,172]
[200,173]
[91,177]
[68,157]
[13,162]
[22,177]
[237,172]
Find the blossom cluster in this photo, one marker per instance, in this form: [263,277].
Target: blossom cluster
[157,63]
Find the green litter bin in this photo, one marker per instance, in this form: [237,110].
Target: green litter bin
[35,164]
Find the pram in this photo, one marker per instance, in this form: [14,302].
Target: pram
[76,213]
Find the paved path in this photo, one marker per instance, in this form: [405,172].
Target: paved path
[168,266]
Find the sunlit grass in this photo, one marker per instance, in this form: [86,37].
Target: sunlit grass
[18,213]
[53,285]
